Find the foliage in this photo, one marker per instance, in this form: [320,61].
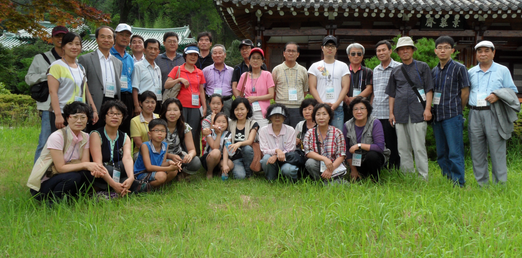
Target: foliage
[233,54]
[16,109]
[16,15]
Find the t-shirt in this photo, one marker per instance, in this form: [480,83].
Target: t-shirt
[140,128]
[241,137]
[174,142]
[70,80]
[327,75]
[55,142]
[224,135]
[261,86]
[156,158]
[195,79]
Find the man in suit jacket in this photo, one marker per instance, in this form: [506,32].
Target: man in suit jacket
[103,71]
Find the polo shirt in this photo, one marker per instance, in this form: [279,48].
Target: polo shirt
[139,128]
[127,69]
[146,77]
[381,104]
[407,105]
[496,77]
[204,61]
[216,79]
[359,79]
[286,78]
[195,79]
[166,65]
[449,81]
[240,69]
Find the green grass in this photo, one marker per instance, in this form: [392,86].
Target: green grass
[400,217]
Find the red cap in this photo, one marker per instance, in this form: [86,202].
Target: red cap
[59,30]
[257,50]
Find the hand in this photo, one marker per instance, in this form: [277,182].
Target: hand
[329,104]
[272,160]
[327,174]
[96,169]
[329,164]
[187,159]
[59,121]
[354,148]
[127,185]
[334,106]
[176,158]
[427,114]
[252,99]
[346,100]
[94,117]
[206,132]
[184,82]
[355,174]
[137,110]
[119,189]
[217,129]
[225,168]
[234,147]
[298,141]
[392,120]
[280,155]
[492,98]
[205,112]
[176,166]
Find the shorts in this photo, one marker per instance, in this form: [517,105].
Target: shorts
[217,169]
[147,176]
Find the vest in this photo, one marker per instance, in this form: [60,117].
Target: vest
[366,138]
[233,125]
[106,147]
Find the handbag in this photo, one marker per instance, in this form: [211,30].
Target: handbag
[243,87]
[296,158]
[174,91]
[40,91]
[416,91]
[255,166]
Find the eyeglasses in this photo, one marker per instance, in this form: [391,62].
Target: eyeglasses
[356,53]
[158,131]
[78,117]
[111,114]
[444,48]
[330,46]
[291,51]
[170,42]
[359,109]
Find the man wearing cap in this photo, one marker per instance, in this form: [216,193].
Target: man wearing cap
[244,47]
[291,83]
[137,48]
[407,112]
[204,44]
[37,73]
[361,78]
[147,74]
[171,58]
[494,107]
[380,103]
[451,86]
[122,38]
[103,71]
[329,80]
[218,77]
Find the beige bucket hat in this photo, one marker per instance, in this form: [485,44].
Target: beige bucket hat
[405,42]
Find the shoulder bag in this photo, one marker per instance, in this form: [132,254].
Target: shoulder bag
[40,91]
[174,91]
[416,91]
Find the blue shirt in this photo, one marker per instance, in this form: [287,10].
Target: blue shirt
[449,82]
[127,69]
[156,157]
[496,77]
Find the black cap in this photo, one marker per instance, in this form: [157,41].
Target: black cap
[59,30]
[330,38]
[246,42]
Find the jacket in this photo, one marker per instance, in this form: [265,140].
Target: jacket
[38,73]
[506,111]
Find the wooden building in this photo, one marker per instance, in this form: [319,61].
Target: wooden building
[272,23]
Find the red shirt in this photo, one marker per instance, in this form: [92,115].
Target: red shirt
[195,79]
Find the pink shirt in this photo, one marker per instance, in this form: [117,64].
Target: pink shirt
[261,84]
[55,142]
[269,142]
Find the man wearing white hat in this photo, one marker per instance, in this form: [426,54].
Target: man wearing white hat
[494,107]
[410,88]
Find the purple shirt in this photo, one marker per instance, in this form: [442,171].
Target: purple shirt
[377,134]
[217,79]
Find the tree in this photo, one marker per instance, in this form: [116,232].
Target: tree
[25,14]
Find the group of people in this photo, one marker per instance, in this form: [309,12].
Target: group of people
[357,121]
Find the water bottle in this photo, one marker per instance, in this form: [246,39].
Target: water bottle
[228,142]
[224,176]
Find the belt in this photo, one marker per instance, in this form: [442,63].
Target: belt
[224,98]
[480,108]
[126,93]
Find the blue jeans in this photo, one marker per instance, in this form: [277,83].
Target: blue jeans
[272,170]
[44,134]
[241,168]
[338,119]
[450,147]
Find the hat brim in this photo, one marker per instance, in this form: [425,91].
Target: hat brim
[271,115]
[191,52]
[397,48]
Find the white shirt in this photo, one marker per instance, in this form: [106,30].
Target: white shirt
[107,68]
[145,77]
[334,72]
[138,60]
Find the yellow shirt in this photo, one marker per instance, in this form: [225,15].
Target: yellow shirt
[140,128]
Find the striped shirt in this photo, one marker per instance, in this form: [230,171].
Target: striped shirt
[332,146]
[70,79]
[381,106]
[286,78]
[449,81]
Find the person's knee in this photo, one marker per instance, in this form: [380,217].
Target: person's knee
[289,170]
[214,155]
[160,177]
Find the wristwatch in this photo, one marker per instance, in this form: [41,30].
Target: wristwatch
[359,145]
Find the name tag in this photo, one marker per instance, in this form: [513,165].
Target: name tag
[481,99]
[110,89]
[158,94]
[116,175]
[356,159]
[256,107]
[292,94]
[423,95]
[218,91]
[77,98]
[330,92]
[195,100]
[323,167]
[436,98]
[124,82]
[356,92]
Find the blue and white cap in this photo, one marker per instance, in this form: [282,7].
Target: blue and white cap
[277,111]
[191,49]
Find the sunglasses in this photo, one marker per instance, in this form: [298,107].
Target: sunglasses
[356,53]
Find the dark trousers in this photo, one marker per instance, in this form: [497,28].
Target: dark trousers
[371,165]
[294,117]
[390,138]
[192,117]
[126,98]
[64,184]
[347,112]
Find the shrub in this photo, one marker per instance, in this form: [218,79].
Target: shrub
[17,110]
[233,54]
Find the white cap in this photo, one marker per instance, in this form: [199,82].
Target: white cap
[485,43]
[123,27]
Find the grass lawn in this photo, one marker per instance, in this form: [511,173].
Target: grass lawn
[400,217]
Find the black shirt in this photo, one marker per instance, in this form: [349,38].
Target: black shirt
[240,137]
[204,61]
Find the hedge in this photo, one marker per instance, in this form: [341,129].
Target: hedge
[17,110]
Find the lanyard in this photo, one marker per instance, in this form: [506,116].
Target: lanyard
[188,79]
[418,73]
[74,77]
[478,81]
[111,143]
[252,84]
[288,84]
[221,79]
[443,82]
[202,63]
[152,76]
[360,78]
[324,139]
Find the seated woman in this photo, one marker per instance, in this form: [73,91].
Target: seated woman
[324,147]
[64,166]
[244,131]
[139,128]
[111,148]
[276,140]
[365,141]
[179,138]
[306,109]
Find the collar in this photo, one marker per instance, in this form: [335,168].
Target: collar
[492,68]
[100,55]
[109,138]
[446,66]
[154,149]
[142,119]
[164,56]
[149,65]
[115,52]
[271,131]
[392,64]
[75,138]
[55,54]
[360,68]
[213,67]
[187,71]
[136,60]
[285,67]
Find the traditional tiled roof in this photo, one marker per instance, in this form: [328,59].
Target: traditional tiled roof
[10,40]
